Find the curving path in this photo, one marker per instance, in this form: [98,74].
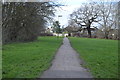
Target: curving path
[66,64]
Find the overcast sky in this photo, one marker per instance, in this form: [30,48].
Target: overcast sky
[65,11]
[71,5]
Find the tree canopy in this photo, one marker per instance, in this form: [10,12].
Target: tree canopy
[23,21]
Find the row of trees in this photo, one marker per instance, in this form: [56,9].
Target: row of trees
[103,13]
[23,21]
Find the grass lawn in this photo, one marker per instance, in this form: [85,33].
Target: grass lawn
[29,60]
[100,56]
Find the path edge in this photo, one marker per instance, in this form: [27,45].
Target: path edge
[83,63]
[51,61]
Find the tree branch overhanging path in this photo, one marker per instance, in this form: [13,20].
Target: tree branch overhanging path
[66,64]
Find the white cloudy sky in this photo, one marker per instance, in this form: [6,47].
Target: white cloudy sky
[65,11]
[71,5]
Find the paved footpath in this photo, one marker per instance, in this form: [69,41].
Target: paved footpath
[66,64]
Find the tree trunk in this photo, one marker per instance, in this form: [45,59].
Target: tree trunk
[89,32]
[106,34]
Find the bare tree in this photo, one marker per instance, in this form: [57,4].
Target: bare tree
[108,17]
[23,21]
[86,15]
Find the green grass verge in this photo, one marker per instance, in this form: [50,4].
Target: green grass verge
[100,55]
[29,60]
